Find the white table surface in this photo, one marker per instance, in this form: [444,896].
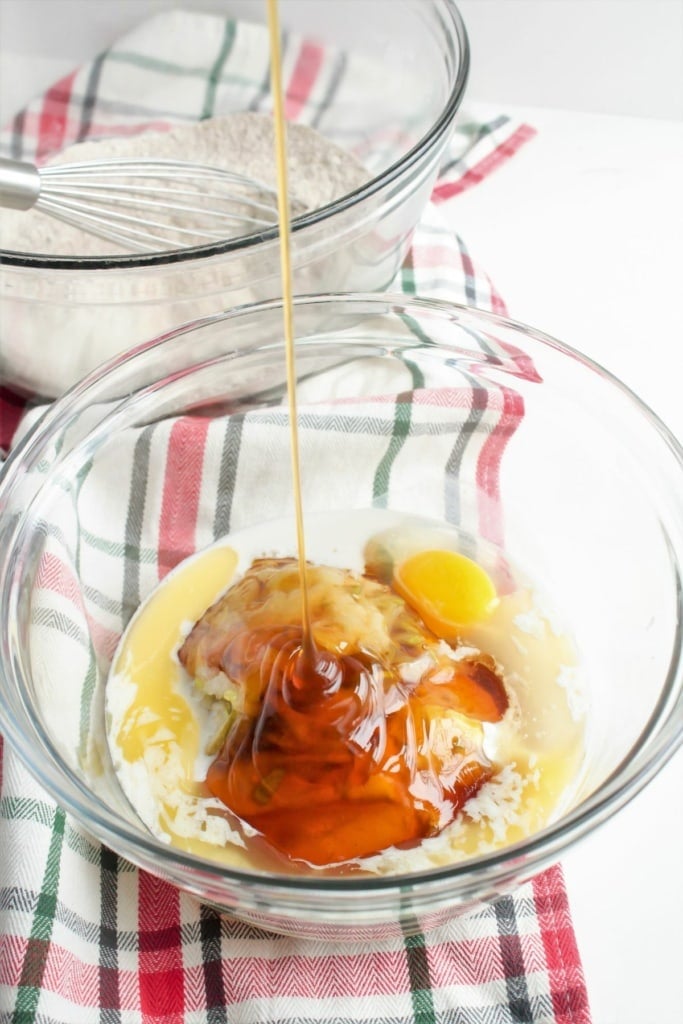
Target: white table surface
[582,233]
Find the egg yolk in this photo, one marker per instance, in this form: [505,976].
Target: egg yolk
[446,589]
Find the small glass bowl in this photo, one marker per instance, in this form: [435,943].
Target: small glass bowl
[497,429]
[60,317]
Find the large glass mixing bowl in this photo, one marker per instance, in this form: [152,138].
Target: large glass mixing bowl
[404,68]
[408,405]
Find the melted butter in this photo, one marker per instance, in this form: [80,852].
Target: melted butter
[159,718]
[158,713]
[543,740]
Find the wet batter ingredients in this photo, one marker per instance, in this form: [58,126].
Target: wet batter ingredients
[400,743]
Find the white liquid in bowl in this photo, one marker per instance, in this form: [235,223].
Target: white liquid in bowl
[158,723]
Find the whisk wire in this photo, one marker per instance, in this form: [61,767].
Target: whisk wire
[159,200]
[147,205]
[103,217]
[84,219]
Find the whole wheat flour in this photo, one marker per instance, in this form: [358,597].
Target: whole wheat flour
[56,326]
[319,172]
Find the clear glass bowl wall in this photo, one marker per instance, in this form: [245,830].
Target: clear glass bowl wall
[589,499]
[59,318]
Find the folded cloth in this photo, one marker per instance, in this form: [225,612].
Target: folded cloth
[86,936]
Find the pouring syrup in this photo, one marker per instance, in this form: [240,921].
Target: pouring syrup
[326,759]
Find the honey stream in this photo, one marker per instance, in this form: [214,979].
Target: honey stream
[288,309]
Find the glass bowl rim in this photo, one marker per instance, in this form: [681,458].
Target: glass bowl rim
[644,761]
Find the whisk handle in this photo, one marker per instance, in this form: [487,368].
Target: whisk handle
[19,184]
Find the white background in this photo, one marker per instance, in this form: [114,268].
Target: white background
[583,234]
[600,56]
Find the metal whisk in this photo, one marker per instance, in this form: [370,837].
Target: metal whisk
[143,205]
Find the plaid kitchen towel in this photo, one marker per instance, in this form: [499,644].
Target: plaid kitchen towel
[84,935]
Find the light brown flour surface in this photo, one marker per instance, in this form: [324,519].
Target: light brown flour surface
[319,172]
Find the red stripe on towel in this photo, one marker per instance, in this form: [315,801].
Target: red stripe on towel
[565,974]
[182,487]
[485,166]
[54,117]
[162,990]
[491,514]
[303,79]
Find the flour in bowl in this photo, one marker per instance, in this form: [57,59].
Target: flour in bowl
[58,325]
[319,173]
